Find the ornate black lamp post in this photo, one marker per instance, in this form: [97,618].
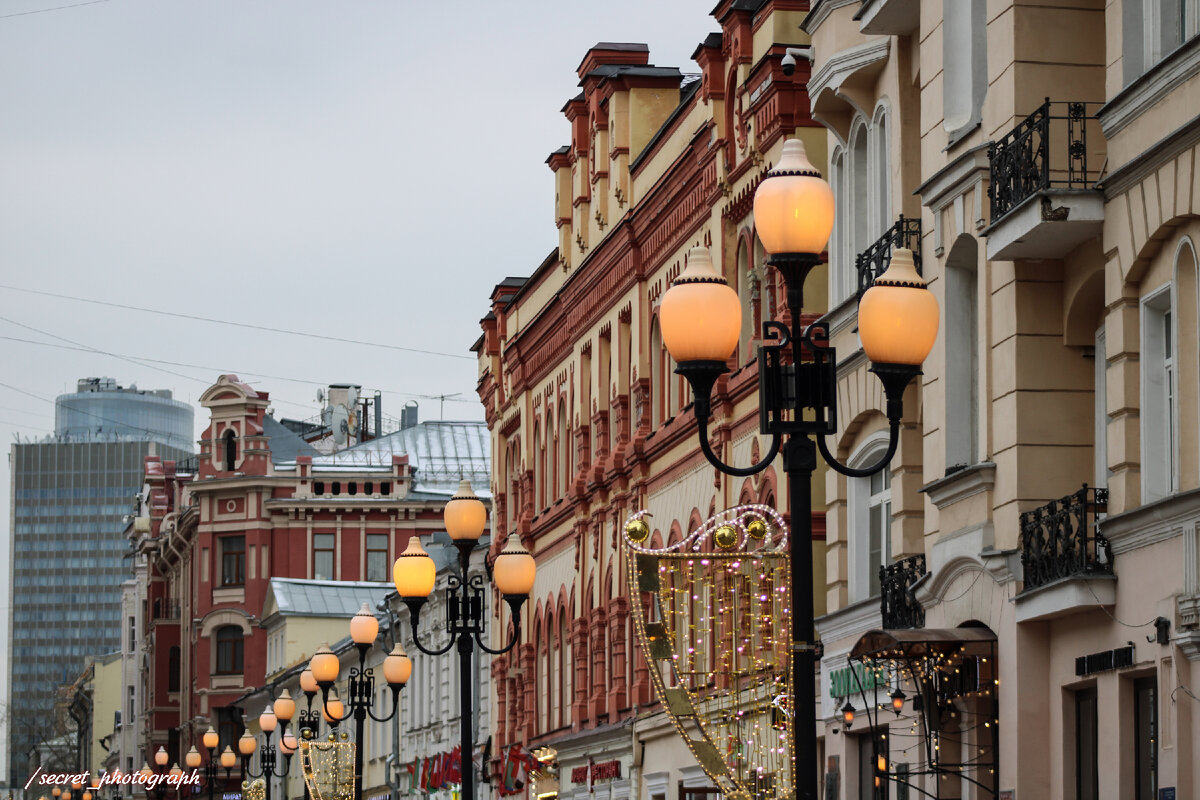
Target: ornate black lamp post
[513,573]
[274,717]
[325,667]
[211,739]
[700,318]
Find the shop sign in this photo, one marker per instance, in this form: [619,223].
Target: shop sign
[842,682]
[231,796]
[604,771]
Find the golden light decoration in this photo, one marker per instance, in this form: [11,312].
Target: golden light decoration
[328,768]
[637,531]
[254,790]
[756,529]
[713,620]
[725,537]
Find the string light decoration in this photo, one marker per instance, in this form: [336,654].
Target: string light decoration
[255,789]
[328,766]
[954,706]
[713,621]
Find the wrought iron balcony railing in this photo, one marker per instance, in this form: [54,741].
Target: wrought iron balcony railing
[1061,539]
[874,260]
[1030,157]
[897,604]
[188,465]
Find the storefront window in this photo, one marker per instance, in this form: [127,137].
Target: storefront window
[1145,722]
[1086,750]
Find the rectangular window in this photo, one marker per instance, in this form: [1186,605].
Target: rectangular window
[879,521]
[233,560]
[872,784]
[323,544]
[1145,724]
[1087,759]
[132,634]
[377,566]
[1160,447]
[130,695]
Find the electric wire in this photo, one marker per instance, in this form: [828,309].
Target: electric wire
[55,8]
[248,325]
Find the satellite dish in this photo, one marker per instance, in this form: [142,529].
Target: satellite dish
[320,396]
[338,425]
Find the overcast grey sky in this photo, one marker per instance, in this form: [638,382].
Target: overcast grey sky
[362,170]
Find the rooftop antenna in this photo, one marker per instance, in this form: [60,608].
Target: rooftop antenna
[442,403]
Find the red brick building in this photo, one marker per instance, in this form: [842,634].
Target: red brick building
[588,421]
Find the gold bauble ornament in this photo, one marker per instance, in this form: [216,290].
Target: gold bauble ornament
[637,531]
[757,529]
[726,537]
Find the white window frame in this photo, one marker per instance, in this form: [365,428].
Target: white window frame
[860,500]
[1159,395]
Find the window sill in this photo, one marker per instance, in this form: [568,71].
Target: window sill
[225,682]
[960,485]
[234,594]
[1151,86]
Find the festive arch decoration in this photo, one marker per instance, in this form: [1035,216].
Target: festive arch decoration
[712,617]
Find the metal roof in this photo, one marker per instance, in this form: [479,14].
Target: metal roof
[297,597]
[440,452]
[285,444]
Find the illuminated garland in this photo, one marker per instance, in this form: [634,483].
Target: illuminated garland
[255,789]
[712,617]
[328,767]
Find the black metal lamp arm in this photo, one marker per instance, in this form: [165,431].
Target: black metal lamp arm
[414,618]
[515,601]
[740,472]
[287,763]
[395,705]
[332,718]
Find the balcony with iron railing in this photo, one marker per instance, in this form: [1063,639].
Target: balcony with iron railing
[1066,562]
[1042,193]
[906,232]
[897,604]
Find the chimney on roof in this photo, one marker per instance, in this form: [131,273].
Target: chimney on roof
[408,415]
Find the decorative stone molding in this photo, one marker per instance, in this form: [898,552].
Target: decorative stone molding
[960,485]
[1068,596]
[1153,523]
[951,182]
[854,619]
[846,63]
[820,12]
[1189,643]
[1143,93]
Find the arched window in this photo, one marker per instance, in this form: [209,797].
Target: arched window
[841,260]
[747,289]
[230,440]
[861,213]
[543,700]
[1187,326]
[564,452]
[658,390]
[539,479]
[229,650]
[554,674]
[567,667]
[881,171]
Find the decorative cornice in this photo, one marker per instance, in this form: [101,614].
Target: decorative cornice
[820,12]
[1150,159]
[854,619]
[1157,82]
[845,63]
[960,485]
[955,178]
[1151,523]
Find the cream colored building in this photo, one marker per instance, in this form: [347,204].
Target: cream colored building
[1056,625]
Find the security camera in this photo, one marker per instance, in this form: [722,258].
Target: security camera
[788,62]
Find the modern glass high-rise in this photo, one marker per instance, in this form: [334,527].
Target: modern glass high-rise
[71,495]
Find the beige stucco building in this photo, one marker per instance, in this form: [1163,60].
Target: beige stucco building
[1053,627]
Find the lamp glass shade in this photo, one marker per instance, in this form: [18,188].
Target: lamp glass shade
[307,682]
[898,698]
[515,569]
[700,315]
[267,721]
[288,745]
[175,770]
[324,665]
[192,758]
[145,770]
[211,738]
[56,791]
[848,714]
[898,315]
[465,515]
[285,706]
[87,796]
[333,710]
[793,205]
[246,744]
[161,758]
[414,572]
[364,627]
[397,667]
[228,759]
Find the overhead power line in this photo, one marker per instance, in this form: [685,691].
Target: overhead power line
[248,325]
[239,372]
[55,8]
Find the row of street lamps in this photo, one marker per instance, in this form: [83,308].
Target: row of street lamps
[700,317]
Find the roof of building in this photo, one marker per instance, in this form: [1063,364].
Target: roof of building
[285,443]
[305,598]
[440,453]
